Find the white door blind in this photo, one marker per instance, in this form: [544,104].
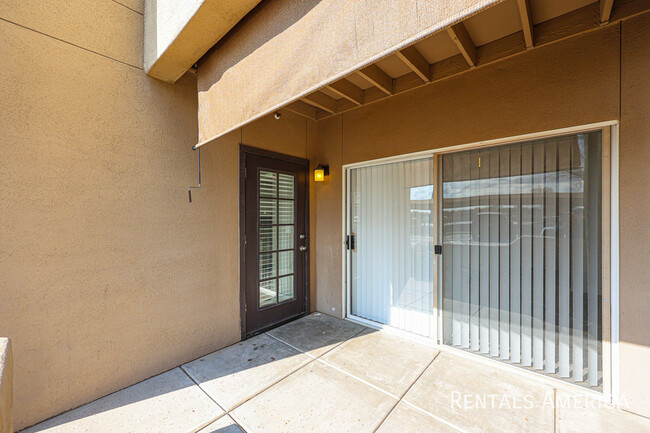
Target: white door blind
[391,265]
[521,229]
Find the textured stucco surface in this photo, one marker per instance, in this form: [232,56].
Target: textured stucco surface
[6,386]
[570,83]
[270,60]
[634,209]
[178,33]
[104,27]
[165,19]
[109,275]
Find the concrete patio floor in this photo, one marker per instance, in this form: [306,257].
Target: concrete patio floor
[320,374]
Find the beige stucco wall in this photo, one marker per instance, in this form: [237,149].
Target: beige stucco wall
[108,274]
[6,386]
[570,83]
[178,33]
[635,207]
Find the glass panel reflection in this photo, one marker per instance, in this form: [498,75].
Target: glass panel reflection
[268,238]
[268,265]
[521,265]
[285,237]
[286,185]
[268,184]
[286,212]
[268,211]
[286,262]
[268,293]
[391,211]
[286,291]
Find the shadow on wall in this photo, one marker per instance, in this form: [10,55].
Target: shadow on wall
[229,377]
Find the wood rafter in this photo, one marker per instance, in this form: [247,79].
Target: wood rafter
[378,78]
[414,60]
[606,10]
[322,101]
[347,90]
[526,21]
[566,26]
[303,109]
[464,42]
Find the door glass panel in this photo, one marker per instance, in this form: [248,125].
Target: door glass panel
[521,263]
[286,262]
[391,211]
[268,211]
[268,238]
[268,293]
[286,288]
[286,211]
[276,242]
[285,237]
[286,185]
[268,265]
[268,184]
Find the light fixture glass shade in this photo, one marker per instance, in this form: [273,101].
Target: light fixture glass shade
[320,172]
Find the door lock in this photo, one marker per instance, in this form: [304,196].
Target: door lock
[302,248]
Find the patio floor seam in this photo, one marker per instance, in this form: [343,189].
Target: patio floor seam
[401,399]
[225,412]
[340,370]
[230,413]
[312,360]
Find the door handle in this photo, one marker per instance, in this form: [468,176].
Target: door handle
[302,248]
[350,242]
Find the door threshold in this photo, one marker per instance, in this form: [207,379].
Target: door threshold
[276,325]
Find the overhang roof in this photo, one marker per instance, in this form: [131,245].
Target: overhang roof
[178,33]
[320,58]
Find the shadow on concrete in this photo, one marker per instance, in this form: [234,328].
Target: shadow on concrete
[170,394]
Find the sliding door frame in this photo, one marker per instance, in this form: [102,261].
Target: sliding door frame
[347,268]
[609,254]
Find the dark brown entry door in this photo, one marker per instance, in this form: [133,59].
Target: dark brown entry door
[275,239]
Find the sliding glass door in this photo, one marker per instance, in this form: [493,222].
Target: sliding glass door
[519,275]
[390,244]
[521,262]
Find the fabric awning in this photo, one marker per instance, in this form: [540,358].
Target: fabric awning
[286,49]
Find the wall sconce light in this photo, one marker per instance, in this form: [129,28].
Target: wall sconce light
[321,172]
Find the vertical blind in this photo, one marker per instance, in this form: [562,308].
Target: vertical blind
[391,218]
[521,256]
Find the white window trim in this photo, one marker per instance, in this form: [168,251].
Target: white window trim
[613,375]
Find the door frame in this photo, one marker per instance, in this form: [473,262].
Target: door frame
[609,250]
[245,150]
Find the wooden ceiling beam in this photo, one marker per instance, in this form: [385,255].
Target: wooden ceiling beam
[347,90]
[322,101]
[414,60]
[571,24]
[606,10]
[303,109]
[464,42]
[378,78]
[526,21]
